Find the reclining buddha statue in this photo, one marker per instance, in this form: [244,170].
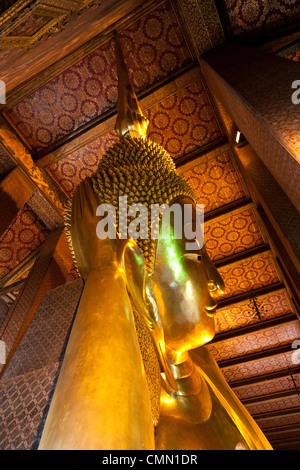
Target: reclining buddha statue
[136,374]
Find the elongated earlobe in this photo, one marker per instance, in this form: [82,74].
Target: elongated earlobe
[143,298]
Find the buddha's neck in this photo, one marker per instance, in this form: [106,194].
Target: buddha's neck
[188,378]
[192,401]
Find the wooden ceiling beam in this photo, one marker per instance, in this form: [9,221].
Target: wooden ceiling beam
[290,443]
[12,200]
[255,292]
[31,176]
[254,327]
[253,356]
[270,396]
[283,429]
[12,287]
[243,202]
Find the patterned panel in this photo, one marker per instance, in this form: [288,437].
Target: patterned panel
[153,47]
[278,421]
[258,367]
[180,123]
[45,337]
[215,181]
[203,22]
[6,163]
[257,341]
[70,170]
[3,310]
[184,121]
[272,405]
[267,387]
[275,304]
[254,17]
[44,211]
[249,274]
[227,235]
[24,235]
[22,404]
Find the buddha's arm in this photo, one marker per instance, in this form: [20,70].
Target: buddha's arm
[101,399]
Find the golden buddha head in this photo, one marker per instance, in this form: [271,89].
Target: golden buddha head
[183,279]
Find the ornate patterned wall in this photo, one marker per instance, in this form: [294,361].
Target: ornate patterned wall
[249,274]
[238,315]
[264,339]
[27,385]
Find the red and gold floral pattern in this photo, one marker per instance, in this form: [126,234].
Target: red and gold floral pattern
[180,123]
[250,17]
[263,339]
[153,46]
[276,304]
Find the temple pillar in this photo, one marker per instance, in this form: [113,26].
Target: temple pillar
[256,89]
[253,93]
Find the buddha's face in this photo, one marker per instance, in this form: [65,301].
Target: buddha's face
[184,283]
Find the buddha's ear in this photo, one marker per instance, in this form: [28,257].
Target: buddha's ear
[143,298]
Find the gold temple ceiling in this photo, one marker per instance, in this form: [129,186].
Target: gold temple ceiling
[61,106]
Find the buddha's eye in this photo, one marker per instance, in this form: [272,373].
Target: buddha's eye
[195,256]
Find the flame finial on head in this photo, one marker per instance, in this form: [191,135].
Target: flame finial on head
[130,121]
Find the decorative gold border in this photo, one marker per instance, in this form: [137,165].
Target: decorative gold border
[58,12]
